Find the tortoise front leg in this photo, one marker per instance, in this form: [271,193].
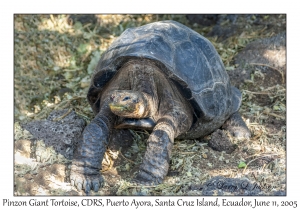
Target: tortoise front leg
[86,164]
[155,164]
[157,156]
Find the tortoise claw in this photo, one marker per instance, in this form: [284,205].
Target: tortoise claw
[86,182]
[72,182]
[96,187]
[87,188]
[79,186]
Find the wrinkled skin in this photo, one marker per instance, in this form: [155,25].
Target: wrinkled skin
[163,103]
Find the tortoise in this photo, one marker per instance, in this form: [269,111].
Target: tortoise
[161,76]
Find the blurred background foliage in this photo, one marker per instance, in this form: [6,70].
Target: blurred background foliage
[55,55]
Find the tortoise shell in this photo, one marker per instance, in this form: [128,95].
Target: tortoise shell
[185,57]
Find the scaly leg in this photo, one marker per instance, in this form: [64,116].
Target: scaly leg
[86,164]
[155,164]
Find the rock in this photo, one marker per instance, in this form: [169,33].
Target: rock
[59,131]
[268,56]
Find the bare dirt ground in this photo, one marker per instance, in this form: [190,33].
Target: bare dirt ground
[54,59]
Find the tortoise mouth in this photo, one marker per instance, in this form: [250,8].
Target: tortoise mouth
[118,108]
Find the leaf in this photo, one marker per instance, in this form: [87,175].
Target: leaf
[242,165]
[56,68]
[180,162]
[83,48]
[94,61]
[85,82]
[68,75]
[276,108]
[127,167]
[221,158]
[188,173]
[73,62]
[229,68]
[78,26]
[135,148]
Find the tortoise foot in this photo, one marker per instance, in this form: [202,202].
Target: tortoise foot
[146,179]
[237,127]
[86,182]
[241,133]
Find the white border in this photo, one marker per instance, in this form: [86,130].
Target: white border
[8,8]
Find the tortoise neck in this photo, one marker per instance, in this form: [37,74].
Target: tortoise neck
[142,62]
[150,105]
[142,78]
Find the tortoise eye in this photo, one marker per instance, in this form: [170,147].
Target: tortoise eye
[126,98]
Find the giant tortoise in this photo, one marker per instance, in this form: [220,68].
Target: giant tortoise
[161,76]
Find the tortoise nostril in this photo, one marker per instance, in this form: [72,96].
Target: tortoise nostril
[112,97]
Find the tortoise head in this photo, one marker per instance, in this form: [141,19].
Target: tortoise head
[128,103]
